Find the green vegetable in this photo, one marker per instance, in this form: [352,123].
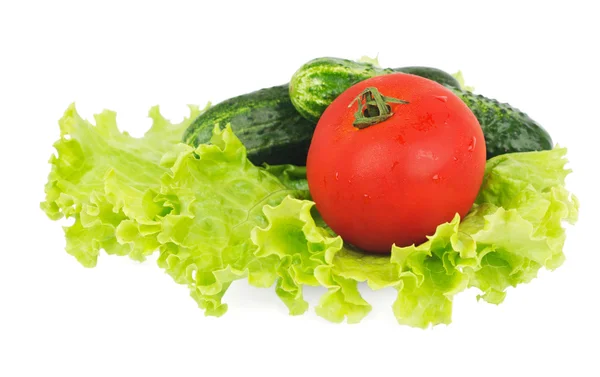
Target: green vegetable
[107,182]
[506,129]
[265,121]
[215,218]
[433,74]
[461,81]
[317,83]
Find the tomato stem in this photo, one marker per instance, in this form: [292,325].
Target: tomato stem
[373,108]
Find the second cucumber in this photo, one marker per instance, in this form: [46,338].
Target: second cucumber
[265,122]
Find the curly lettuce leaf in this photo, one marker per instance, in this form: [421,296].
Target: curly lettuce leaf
[461,80]
[369,60]
[291,176]
[106,180]
[218,197]
[514,229]
[216,218]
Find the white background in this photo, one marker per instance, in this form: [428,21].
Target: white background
[128,319]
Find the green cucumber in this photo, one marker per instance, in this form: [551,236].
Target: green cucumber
[317,83]
[433,74]
[266,123]
[506,129]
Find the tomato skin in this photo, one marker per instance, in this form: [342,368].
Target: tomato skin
[394,182]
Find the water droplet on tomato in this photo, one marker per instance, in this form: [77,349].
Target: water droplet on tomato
[442,98]
[367,196]
[337,175]
[472,144]
[455,158]
[435,177]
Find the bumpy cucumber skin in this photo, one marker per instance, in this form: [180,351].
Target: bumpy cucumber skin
[266,123]
[505,128]
[433,74]
[317,83]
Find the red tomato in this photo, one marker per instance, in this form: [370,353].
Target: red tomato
[395,181]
